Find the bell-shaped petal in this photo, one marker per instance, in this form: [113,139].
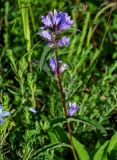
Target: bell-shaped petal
[55,18]
[1,121]
[65,41]
[53,64]
[47,20]
[1,108]
[32,110]
[46,35]
[65,22]
[63,67]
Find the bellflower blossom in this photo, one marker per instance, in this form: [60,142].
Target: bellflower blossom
[3,114]
[53,65]
[54,23]
[46,35]
[33,110]
[72,108]
[57,21]
[65,41]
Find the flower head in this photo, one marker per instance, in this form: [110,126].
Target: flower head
[72,108]
[53,65]
[3,114]
[54,23]
[32,110]
[58,21]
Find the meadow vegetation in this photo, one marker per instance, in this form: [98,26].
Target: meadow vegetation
[37,127]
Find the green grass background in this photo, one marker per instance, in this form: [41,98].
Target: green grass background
[27,81]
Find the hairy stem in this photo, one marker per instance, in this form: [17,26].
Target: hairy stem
[64,105]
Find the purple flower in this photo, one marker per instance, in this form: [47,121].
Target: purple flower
[55,18]
[3,114]
[72,108]
[65,21]
[47,21]
[65,41]
[46,35]
[53,65]
[63,66]
[58,21]
[32,110]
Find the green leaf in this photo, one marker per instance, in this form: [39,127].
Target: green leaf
[105,157]
[57,122]
[58,135]
[25,17]
[83,119]
[113,143]
[54,140]
[101,152]
[49,147]
[53,137]
[80,149]
[45,53]
[12,59]
[13,92]
[61,134]
[87,121]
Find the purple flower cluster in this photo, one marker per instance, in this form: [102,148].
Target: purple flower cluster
[54,23]
[3,114]
[57,21]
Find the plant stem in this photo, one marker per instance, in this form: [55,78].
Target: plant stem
[64,105]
